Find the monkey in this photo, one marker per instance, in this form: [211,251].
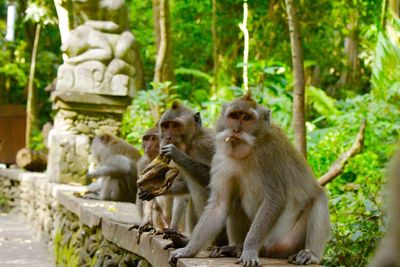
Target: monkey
[191,148]
[387,253]
[116,170]
[157,211]
[263,189]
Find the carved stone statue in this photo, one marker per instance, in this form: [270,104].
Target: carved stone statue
[101,72]
[102,54]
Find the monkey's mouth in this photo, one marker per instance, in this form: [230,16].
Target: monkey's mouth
[233,139]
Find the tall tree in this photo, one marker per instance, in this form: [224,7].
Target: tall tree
[298,73]
[31,107]
[162,25]
[215,46]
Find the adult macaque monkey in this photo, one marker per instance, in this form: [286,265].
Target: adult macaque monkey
[191,147]
[257,172]
[116,169]
[388,252]
[155,212]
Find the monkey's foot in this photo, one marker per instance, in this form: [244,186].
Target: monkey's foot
[91,195]
[249,259]
[178,240]
[145,227]
[226,251]
[180,253]
[304,257]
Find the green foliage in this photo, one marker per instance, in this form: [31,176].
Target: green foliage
[386,70]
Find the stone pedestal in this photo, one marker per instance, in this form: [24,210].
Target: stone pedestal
[80,116]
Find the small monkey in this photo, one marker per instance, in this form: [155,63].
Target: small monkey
[263,189]
[116,170]
[157,211]
[388,252]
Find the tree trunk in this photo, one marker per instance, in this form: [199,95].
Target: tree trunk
[215,47]
[395,7]
[31,109]
[298,73]
[352,72]
[164,65]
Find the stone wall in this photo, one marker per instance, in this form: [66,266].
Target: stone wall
[72,228]
[84,232]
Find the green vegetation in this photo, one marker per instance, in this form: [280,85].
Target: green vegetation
[352,64]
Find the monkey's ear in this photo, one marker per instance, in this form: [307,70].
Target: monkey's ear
[175,105]
[105,138]
[197,119]
[267,116]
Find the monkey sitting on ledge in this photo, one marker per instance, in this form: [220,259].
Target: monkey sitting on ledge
[116,171]
[263,190]
[156,212]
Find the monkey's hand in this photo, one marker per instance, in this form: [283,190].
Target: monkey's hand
[178,240]
[173,152]
[249,258]
[304,257]
[180,253]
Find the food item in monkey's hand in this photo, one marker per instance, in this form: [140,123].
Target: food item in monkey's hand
[158,176]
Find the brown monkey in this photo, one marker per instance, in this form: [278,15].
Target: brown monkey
[259,179]
[116,169]
[191,147]
[157,211]
[388,252]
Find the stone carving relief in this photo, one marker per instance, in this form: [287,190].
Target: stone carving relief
[102,53]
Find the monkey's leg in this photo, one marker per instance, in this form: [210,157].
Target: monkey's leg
[237,226]
[263,223]
[317,233]
[178,210]
[210,223]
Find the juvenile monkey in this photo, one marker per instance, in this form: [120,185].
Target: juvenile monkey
[388,252]
[263,189]
[116,170]
[157,211]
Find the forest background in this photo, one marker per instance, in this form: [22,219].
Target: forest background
[352,71]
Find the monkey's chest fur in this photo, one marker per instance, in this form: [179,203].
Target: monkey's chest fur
[244,186]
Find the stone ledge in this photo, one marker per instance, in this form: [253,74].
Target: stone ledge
[115,220]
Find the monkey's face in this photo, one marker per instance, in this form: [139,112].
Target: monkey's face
[151,145]
[100,145]
[174,132]
[236,132]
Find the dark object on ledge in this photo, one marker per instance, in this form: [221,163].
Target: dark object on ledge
[31,160]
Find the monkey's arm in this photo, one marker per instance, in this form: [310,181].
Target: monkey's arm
[196,169]
[266,218]
[210,224]
[114,166]
[178,187]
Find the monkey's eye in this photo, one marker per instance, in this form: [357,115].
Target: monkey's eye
[247,117]
[233,116]
[175,125]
